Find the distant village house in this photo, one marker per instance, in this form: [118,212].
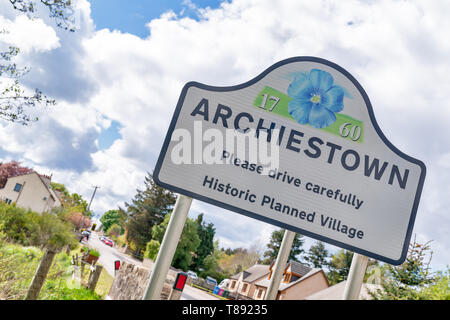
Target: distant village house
[298,282]
[30,191]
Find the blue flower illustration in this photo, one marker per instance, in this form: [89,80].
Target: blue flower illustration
[315,98]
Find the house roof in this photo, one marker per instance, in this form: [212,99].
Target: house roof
[336,292]
[283,286]
[45,181]
[298,268]
[253,273]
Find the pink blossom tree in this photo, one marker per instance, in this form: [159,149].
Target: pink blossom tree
[11,169]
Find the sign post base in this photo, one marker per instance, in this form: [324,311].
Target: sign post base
[168,247]
[283,255]
[355,277]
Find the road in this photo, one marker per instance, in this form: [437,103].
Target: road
[191,293]
[108,255]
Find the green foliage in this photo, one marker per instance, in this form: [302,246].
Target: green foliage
[211,265]
[147,209]
[206,234]
[61,11]
[50,232]
[114,231]
[62,290]
[18,265]
[92,251]
[152,249]
[339,266]
[30,228]
[275,243]
[413,279]
[439,289]
[317,255]
[110,218]
[188,244]
[15,224]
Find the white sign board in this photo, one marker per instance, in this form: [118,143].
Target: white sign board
[297,147]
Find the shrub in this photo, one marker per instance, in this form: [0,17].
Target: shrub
[152,249]
[92,251]
[60,290]
[18,265]
[15,223]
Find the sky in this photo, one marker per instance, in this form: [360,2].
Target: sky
[117,79]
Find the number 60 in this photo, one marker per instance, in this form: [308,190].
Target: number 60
[354,133]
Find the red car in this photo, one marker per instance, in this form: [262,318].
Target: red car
[108,242]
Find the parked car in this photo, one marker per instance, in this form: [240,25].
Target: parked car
[192,274]
[224,284]
[211,281]
[102,238]
[108,242]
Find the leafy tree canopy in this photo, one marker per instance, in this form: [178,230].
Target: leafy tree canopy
[206,232]
[275,243]
[317,255]
[187,246]
[11,169]
[147,209]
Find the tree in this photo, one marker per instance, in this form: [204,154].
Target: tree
[11,169]
[152,249]
[114,231]
[211,265]
[339,266]
[51,234]
[77,219]
[73,201]
[15,100]
[233,261]
[109,218]
[147,209]
[275,243]
[413,279]
[206,234]
[317,255]
[188,244]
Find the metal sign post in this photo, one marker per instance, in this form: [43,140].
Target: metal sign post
[355,277]
[283,255]
[168,247]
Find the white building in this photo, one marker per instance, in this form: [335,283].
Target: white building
[30,191]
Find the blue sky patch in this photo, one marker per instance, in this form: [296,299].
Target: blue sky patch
[131,16]
[108,136]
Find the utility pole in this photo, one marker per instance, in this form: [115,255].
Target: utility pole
[95,190]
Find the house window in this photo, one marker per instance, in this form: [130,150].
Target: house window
[260,292]
[233,284]
[244,287]
[17,187]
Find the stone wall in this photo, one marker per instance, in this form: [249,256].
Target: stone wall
[131,282]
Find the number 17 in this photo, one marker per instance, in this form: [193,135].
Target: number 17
[264,101]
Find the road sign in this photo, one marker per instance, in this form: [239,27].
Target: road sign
[297,147]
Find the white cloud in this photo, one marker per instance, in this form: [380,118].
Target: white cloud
[397,50]
[29,34]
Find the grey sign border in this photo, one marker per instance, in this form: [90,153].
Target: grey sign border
[275,222]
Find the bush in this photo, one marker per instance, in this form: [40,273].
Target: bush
[114,231]
[26,227]
[152,249]
[15,223]
[18,265]
[92,252]
[60,290]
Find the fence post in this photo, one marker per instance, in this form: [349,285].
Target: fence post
[93,279]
